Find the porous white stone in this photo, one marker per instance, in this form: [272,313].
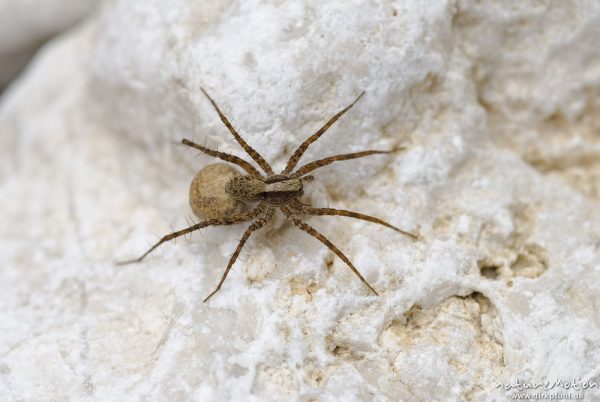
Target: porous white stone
[497,105]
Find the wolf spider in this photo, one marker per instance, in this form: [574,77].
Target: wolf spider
[273,191]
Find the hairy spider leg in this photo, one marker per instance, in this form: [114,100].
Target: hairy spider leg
[307,209]
[309,167]
[302,148]
[252,228]
[251,151]
[232,220]
[314,233]
[226,157]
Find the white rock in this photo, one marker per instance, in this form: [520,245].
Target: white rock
[26,24]
[503,286]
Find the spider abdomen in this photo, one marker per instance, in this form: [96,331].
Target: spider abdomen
[245,188]
[274,190]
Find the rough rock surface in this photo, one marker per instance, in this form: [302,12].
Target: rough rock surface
[498,105]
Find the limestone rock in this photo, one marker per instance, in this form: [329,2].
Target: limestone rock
[25,25]
[497,105]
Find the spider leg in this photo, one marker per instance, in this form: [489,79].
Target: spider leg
[314,233]
[226,157]
[302,148]
[252,228]
[251,151]
[211,222]
[309,167]
[307,209]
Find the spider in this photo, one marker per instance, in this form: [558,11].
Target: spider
[271,191]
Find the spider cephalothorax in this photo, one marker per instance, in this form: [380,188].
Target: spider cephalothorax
[268,192]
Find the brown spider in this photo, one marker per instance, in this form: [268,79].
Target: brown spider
[274,191]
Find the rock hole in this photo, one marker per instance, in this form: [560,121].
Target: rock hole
[466,334]
[329,262]
[531,262]
[346,353]
[489,271]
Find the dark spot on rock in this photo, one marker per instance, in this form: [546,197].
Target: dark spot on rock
[489,271]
